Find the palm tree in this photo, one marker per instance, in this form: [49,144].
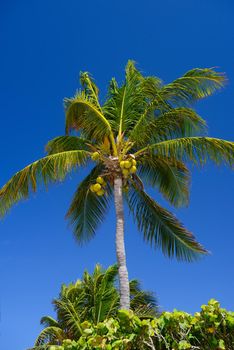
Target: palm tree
[144,133]
[92,299]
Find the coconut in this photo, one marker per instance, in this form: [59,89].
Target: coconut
[133,162]
[133,169]
[125,172]
[97,187]
[92,188]
[122,164]
[100,180]
[127,164]
[100,193]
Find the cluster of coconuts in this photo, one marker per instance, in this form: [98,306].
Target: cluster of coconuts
[99,186]
[128,166]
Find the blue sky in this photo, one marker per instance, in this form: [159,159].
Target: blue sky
[44,45]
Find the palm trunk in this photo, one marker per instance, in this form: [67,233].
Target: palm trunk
[120,248]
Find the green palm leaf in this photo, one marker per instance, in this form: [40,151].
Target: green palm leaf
[142,302]
[90,88]
[70,314]
[193,85]
[49,321]
[176,122]
[127,103]
[162,229]
[87,210]
[196,149]
[102,296]
[50,335]
[83,114]
[170,176]
[67,143]
[45,170]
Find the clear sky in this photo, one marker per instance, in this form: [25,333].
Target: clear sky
[44,44]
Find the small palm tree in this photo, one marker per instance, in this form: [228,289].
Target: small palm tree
[92,299]
[143,133]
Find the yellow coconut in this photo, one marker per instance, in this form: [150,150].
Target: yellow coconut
[100,180]
[122,164]
[104,184]
[134,162]
[133,169]
[125,172]
[97,187]
[127,164]
[92,188]
[95,156]
[100,193]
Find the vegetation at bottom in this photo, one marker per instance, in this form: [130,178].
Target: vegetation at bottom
[211,328]
[88,318]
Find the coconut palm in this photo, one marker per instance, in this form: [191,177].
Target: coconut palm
[144,133]
[92,299]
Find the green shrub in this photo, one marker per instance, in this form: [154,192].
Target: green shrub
[210,329]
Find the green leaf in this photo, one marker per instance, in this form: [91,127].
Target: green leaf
[196,149]
[196,84]
[161,228]
[127,103]
[46,170]
[90,88]
[172,123]
[183,344]
[169,175]
[87,210]
[222,344]
[49,334]
[67,143]
[82,113]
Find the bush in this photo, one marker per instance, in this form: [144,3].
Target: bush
[210,329]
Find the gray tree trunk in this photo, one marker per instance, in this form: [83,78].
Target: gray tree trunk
[120,248]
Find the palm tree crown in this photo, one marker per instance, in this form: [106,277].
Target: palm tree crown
[92,299]
[144,133]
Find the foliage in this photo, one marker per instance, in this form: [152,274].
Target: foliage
[210,329]
[92,299]
[141,120]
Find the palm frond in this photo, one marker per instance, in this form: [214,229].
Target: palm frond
[90,88]
[171,177]
[50,335]
[70,315]
[196,149]
[49,321]
[44,171]
[161,228]
[176,122]
[104,293]
[196,84]
[87,210]
[67,143]
[94,297]
[126,103]
[143,303]
[82,114]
